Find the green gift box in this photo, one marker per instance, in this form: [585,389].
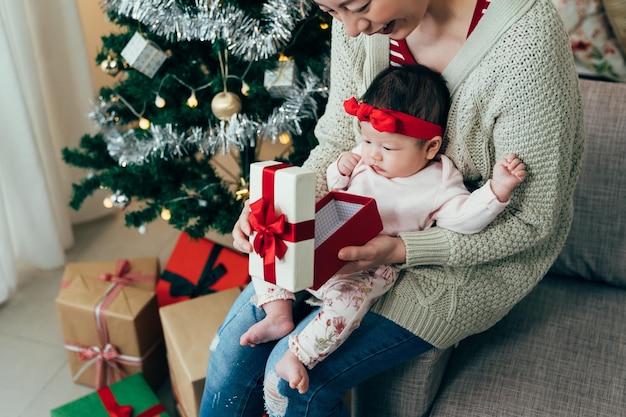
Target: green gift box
[130,397]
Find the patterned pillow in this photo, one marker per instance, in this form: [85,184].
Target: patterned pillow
[596,50]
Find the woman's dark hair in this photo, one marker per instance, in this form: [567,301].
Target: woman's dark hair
[412,89]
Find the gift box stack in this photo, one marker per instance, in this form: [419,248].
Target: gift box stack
[295,240]
[110,321]
[198,285]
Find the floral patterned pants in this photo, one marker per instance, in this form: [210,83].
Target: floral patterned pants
[345,300]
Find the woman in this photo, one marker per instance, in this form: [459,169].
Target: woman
[514,89]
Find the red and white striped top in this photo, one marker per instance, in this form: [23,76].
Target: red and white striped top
[399,53]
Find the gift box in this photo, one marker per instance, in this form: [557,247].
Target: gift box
[189,328]
[280,80]
[199,267]
[282,213]
[131,396]
[110,321]
[341,219]
[143,55]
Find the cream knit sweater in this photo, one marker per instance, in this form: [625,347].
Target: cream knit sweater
[514,89]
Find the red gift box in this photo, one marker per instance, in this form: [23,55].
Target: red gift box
[198,267]
[341,219]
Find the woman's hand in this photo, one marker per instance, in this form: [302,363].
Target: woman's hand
[381,250]
[242,230]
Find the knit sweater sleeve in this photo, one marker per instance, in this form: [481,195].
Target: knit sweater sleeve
[530,106]
[336,131]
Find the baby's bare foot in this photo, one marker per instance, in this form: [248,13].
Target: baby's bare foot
[268,329]
[293,371]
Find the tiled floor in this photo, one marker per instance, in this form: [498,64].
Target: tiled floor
[34,373]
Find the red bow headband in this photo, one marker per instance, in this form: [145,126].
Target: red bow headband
[386,120]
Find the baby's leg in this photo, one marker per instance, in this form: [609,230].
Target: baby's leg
[346,300]
[278,322]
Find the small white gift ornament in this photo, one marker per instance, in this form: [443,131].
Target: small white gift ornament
[282,217]
[281,79]
[143,55]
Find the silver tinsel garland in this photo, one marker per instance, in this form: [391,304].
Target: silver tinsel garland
[249,38]
[165,142]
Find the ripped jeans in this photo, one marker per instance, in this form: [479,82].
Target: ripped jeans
[239,378]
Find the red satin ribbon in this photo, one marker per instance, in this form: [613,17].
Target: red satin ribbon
[111,405]
[116,410]
[272,229]
[387,120]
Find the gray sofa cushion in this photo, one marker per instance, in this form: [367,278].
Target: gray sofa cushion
[596,247]
[560,353]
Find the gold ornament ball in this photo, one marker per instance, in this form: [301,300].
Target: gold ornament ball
[109,66]
[225,104]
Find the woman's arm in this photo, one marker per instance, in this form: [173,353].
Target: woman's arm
[336,131]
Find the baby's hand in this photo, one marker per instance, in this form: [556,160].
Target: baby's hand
[347,162]
[507,174]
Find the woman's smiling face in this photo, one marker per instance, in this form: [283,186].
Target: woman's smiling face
[394,18]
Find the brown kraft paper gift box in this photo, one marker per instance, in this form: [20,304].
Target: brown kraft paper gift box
[189,327]
[111,327]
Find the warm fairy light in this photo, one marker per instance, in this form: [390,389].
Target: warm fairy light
[192,101]
[245,89]
[284,138]
[283,58]
[166,214]
[159,101]
[107,202]
[144,123]
[324,26]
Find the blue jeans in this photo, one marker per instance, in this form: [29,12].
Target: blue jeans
[237,375]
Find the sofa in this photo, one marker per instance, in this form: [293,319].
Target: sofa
[561,352]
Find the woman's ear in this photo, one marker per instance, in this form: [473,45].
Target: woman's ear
[433,146]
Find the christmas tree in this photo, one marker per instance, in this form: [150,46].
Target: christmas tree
[200,79]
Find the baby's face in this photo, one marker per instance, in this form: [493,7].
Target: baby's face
[392,154]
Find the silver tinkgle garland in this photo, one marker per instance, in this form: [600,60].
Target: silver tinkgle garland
[210,20]
[165,142]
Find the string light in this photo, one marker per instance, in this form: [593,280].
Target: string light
[166,214]
[284,138]
[245,88]
[192,101]
[159,101]
[144,123]
[107,202]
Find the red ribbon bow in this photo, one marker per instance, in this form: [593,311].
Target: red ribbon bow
[387,120]
[380,120]
[269,226]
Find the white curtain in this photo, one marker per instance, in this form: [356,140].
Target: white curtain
[45,95]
